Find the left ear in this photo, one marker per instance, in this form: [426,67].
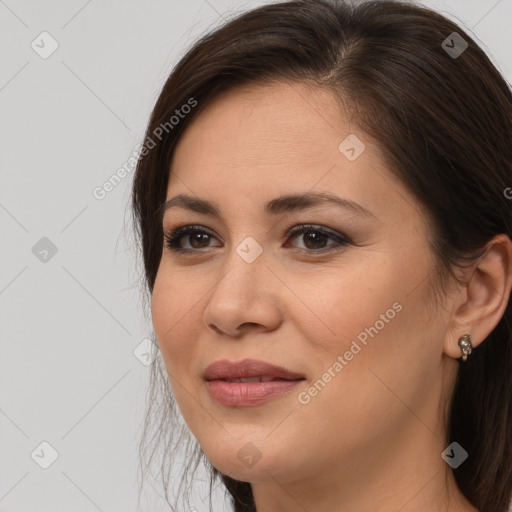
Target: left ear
[481,302]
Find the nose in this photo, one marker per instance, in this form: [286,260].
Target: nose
[245,298]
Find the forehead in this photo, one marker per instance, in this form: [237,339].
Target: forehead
[263,123]
[262,141]
[276,126]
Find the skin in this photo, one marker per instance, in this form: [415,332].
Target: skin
[372,438]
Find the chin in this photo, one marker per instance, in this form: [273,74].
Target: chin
[243,459]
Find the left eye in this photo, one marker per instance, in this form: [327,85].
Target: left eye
[315,238]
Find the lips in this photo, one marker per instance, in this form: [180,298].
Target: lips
[261,378]
[249,382]
[248,370]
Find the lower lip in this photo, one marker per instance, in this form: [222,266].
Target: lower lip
[244,394]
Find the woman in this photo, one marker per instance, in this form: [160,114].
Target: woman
[323,203]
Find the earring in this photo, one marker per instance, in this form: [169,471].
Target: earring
[465,346]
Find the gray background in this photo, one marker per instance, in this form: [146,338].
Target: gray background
[70,321]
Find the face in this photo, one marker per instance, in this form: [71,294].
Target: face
[341,303]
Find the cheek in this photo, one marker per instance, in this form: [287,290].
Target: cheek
[369,319]
[175,314]
[343,303]
[176,322]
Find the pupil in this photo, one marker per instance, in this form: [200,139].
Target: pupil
[316,238]
[198,237]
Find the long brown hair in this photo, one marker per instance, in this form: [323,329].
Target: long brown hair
[442,116]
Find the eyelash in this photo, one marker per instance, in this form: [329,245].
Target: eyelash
[172,238]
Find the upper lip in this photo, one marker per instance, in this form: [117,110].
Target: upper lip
[226,369]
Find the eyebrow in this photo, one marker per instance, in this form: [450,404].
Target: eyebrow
[279,205]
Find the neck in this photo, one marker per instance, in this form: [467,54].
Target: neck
[406,475]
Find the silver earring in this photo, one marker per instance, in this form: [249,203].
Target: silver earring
[465,346]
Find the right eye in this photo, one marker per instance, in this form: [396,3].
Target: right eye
[197,237]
